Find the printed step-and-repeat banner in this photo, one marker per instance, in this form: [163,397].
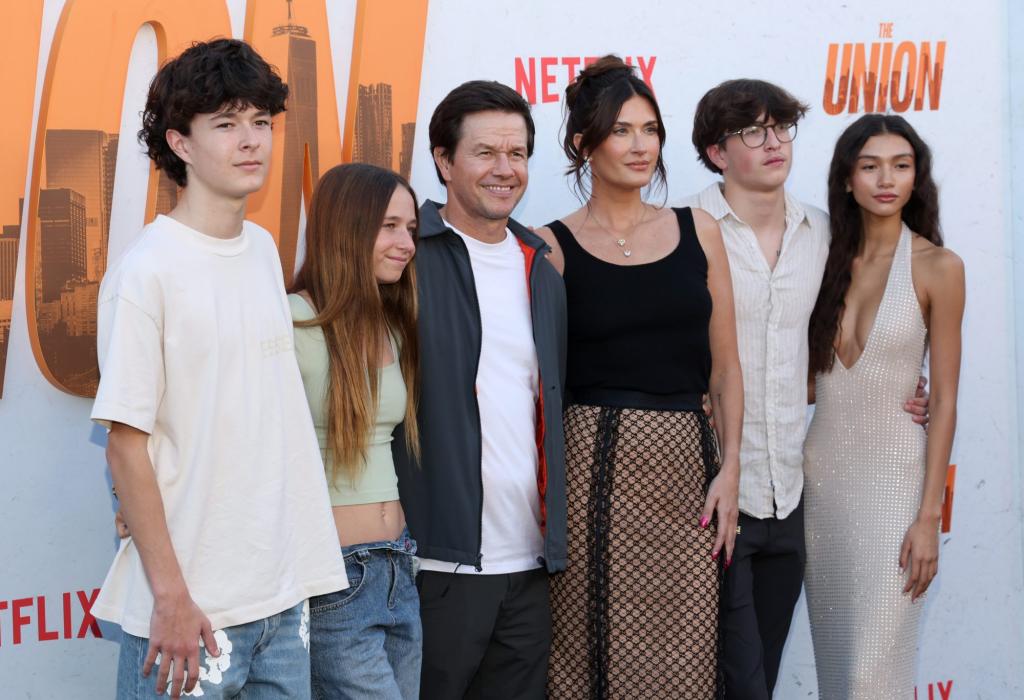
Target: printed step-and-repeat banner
[364,76]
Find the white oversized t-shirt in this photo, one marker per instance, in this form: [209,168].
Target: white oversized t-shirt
[506,392]
[195,348]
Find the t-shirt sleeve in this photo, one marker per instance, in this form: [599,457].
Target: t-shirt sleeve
[131,363]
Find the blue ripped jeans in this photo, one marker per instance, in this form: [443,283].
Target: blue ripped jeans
[366,641]
[263,660]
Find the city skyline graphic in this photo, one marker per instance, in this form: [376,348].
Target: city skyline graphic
[73,231]
[68,224]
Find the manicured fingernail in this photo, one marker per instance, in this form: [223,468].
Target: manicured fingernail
[704,521]
[727,562]
[714,556]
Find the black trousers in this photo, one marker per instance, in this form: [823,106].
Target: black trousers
[761,588]
[484,636]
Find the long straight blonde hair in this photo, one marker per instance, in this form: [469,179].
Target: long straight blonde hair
[354,311]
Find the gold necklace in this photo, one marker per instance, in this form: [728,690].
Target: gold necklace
[620,241]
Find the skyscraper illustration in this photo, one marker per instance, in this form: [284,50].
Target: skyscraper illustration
[373,126]
[109,168]
[8,260]
[405,159]
[300,120]
[80,160]
[65,299]
[62,241]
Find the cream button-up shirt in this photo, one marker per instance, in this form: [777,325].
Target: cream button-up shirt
[773,309]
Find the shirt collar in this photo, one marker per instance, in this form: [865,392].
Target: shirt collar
[714,203]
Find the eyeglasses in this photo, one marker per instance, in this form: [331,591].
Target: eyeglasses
[755,135]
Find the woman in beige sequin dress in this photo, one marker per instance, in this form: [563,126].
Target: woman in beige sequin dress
[874,480]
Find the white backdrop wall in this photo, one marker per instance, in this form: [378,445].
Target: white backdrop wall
[56,534]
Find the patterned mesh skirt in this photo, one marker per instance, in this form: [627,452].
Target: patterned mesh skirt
[635,614]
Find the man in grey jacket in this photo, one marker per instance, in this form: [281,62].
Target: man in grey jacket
[486,502]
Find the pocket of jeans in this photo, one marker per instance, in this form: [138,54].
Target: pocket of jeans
[355,569]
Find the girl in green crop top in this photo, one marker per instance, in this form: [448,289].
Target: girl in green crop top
[354,307]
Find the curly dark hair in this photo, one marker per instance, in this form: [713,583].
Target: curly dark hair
[469,98]
[920,214]
[593,102]
[201,80]
[736,104]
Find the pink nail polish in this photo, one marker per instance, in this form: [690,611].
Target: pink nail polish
[704,521]
[714,556]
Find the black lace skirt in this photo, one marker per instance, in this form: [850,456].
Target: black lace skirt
[635,615]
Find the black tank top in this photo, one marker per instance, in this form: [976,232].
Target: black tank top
[638,328]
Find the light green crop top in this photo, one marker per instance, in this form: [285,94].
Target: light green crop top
[376,481]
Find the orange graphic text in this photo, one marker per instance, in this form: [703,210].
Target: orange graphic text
[883,75]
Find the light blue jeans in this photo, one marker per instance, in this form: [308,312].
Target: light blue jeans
[366,641]
[263,660]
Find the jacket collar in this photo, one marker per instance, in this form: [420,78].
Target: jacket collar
[431,224]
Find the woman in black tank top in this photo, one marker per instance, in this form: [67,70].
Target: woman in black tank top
[651,508]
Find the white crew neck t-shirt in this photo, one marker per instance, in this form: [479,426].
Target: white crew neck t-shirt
[506,390]
[195,348]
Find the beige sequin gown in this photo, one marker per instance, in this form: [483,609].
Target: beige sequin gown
[864,465]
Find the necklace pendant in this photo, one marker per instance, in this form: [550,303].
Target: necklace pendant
[627,252]
[621,242]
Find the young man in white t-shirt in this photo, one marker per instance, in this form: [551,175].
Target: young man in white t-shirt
[743,130]
[211,446]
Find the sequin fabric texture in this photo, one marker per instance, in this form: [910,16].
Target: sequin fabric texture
[635,615]
[864,466]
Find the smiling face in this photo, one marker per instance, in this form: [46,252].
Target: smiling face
[395,244]
[628,156]
[761,169]
[227,152]
[883,176]
[486,176]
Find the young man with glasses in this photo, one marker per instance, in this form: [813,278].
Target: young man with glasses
[777,247]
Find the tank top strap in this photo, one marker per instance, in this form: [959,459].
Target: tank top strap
[689,244]
[566,241]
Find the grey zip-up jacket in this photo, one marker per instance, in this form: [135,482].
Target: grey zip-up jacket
[442,496]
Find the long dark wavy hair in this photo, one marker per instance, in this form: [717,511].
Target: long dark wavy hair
[921,215]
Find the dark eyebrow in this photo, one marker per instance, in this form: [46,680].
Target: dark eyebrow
[233,114]
[873,157]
